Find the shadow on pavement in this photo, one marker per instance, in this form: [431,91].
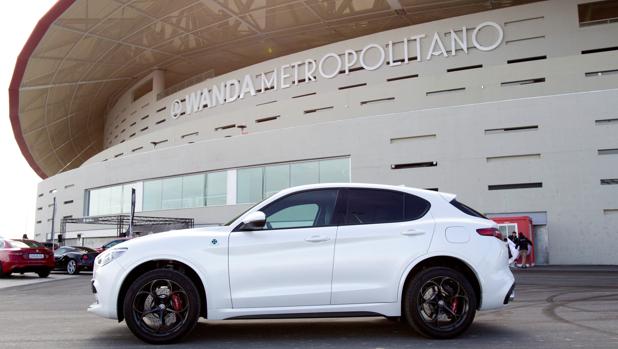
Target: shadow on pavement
[322,333]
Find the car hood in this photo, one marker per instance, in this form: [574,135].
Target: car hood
[169,236]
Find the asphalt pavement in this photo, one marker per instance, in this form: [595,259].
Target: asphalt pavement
[555,307]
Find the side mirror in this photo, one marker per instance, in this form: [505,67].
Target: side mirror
[254,221]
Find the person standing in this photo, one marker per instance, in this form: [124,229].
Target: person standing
[524,245]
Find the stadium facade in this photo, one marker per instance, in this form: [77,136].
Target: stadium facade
[206,107]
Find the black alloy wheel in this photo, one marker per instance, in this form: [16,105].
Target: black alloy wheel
[161,306]
[440,303]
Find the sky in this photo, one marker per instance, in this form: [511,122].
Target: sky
[18,182]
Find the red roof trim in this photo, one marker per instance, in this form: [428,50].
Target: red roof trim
[20,67]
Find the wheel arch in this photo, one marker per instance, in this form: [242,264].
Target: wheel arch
[164,263]
[442,261]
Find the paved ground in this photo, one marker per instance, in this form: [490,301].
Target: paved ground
[29,279]
[556,307]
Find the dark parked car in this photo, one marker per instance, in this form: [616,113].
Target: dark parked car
[19,257]
[74,259]
[111,244]
[50,246]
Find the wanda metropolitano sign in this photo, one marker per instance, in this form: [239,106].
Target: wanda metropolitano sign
[417,48]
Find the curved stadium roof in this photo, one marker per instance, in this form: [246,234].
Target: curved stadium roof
[83,54]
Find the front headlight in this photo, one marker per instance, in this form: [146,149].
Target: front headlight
[109,255]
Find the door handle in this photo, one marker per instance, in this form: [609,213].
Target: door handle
[413,232]
[317,238]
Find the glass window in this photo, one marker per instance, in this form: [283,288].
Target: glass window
[276,178]
[335,171]
[304,173]
[171,193]
[115,199]
[415,207]
[193,191]
[249,185]
[467,209]
[313,208]
[103,201]
[216,188]
[372,206]
[152,195]
[93,203]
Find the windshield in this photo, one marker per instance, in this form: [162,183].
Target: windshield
[84,249]
[245,211]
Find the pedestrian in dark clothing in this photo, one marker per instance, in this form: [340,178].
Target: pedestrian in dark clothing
[524,245]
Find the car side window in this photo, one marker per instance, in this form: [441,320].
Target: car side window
[374,206]
[415,207]
[61,250]
[314,208]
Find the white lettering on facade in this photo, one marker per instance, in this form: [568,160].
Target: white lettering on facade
[499,37]
[218,94]
[350,58]
[463,41]
[372,57]
[380,61]
[268,84]
[391,60]
[232,95]
[247,87]
[193,102]
[432,52]
[322,63]
[418,38]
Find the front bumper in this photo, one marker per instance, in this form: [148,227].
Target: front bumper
[105,285]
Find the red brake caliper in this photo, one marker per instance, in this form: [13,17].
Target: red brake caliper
[454,305]
[176,302]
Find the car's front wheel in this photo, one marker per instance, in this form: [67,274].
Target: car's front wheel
[161,306]
[440,303]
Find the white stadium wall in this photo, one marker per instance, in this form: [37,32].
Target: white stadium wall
[528,127]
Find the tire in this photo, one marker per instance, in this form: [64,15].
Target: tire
[2,273]
[439,303]
[44,274]
[72,267]
[148,300]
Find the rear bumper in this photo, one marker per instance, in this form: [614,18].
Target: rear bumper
[26,267]
[497,287]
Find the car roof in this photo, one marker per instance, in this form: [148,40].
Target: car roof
[424,193]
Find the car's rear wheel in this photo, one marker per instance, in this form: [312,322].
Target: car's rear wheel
[440,303]
[2,273]
[72,267]
[44,273]
[161,306]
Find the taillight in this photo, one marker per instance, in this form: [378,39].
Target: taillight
[490,232]
[85,257]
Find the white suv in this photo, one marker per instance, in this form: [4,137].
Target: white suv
[313,251]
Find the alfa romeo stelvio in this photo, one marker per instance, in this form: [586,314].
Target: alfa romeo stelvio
[324,250]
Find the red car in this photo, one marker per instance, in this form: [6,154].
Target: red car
[20,257]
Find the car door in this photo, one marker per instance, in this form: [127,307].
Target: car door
[382,233]
[290,261]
